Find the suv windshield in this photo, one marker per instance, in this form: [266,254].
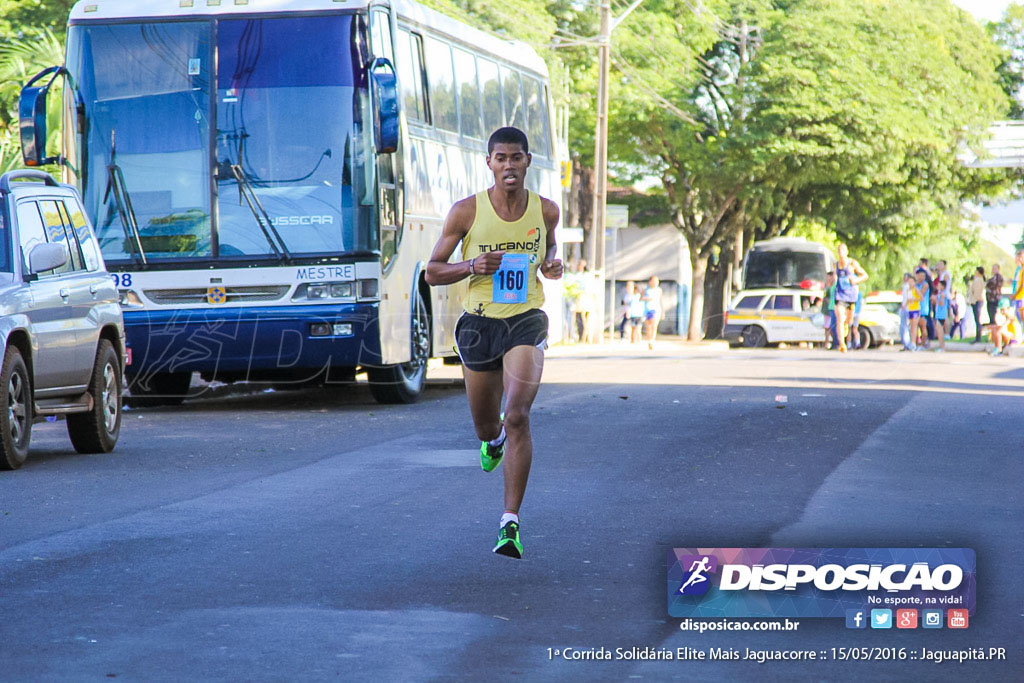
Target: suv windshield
[284,110]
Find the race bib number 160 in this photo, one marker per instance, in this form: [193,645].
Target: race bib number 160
[510,280]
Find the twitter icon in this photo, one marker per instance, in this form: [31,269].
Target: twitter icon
[881,618]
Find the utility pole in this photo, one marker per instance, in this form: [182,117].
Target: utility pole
[601,138]
[597,244]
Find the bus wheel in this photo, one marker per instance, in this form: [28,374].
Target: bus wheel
[161,389]
[403,383]
[754,337]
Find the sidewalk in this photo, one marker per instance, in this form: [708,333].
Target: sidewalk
[668,343]
[1014,351]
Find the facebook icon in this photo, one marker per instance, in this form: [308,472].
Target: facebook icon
[856,618]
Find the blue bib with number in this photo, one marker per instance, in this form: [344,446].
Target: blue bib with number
[511,279]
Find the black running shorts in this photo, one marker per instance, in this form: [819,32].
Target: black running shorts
[483,342]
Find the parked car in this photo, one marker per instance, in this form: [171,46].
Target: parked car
[60,320]
[880,319]
[758,317]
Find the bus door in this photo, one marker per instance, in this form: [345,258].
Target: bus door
[396,283]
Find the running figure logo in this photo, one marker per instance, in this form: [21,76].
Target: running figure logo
[696,582]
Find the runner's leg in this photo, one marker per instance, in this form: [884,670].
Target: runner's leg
[483,389]
[523,368]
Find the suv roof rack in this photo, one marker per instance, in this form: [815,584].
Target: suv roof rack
[5,180]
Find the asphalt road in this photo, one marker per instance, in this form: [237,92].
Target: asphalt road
[306,535]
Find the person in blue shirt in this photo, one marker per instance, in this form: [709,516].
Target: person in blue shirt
[942,306]
[849,275]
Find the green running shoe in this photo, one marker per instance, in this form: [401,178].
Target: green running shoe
[490,456]
[508,541]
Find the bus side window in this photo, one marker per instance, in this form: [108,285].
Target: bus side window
[442,85]
[512,89]
[537,117]
[469,94]
[410,75]
[491,89]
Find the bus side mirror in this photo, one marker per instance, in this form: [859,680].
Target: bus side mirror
[32,118]
[384,90]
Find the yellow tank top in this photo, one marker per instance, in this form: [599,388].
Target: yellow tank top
[528,235]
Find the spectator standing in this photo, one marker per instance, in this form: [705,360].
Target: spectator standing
[942,274]
[590,326]
[905,337]
[926,314]
[855,338]
[624,310]
[1004,327]
[942,310]
[652,310]
[828,313]
[636,314]
[1018,288]
[572,291]
[994,292]
[975,299]
[920,307]
[958,312]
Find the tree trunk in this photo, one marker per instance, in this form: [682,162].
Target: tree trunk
[716,280]
[699,264]
[737,264]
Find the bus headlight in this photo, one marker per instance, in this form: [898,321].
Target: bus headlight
[129,299]
[325,290]
[341,290]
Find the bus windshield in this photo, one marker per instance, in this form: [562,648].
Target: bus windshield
[265,154]
[784,268]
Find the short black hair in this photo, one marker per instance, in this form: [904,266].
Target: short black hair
[508,136]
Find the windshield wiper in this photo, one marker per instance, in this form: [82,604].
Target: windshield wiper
[123,200]
[246,191]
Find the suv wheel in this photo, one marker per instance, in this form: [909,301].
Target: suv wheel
[16,420]
[97,430]
[754,337]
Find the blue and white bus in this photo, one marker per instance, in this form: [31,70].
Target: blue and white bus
[267,178]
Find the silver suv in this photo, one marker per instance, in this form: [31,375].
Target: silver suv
[60,320]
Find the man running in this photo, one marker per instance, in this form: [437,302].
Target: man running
[502,333]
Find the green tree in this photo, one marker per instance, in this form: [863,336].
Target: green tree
[1008,33]
[26,18]
[20,59]
[850,112]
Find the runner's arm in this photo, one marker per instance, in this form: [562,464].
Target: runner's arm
[456,226]
[860,275]
[551,268]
